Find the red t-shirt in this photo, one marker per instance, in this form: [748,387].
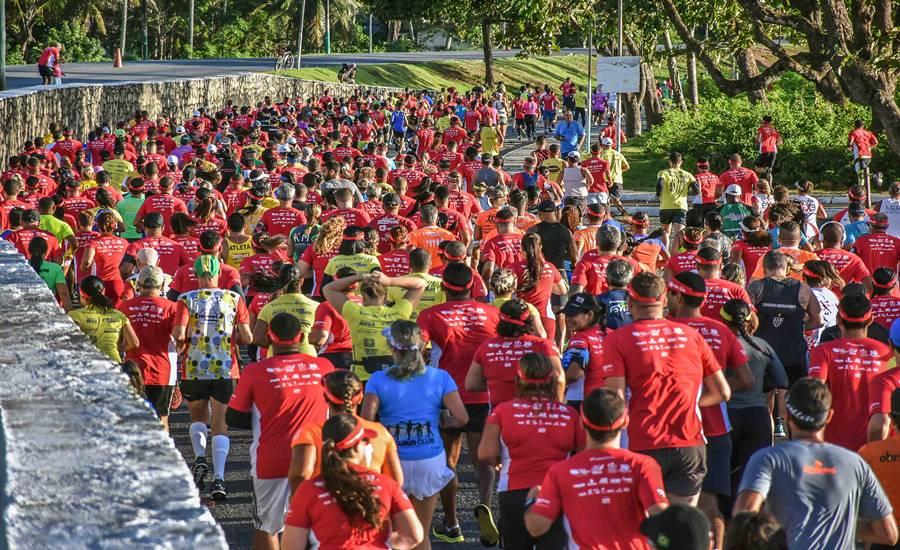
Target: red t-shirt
[730,354]
[108,253]
[604,495]
[719,291]
[849,265]
[709,184]
[768,138]
[329,319]
[280,221]
[862,141]
[664,364]
[152,320]
[885,310]
[522,421]
[218,225]
[750,255]
[683,261]
[76,205]
[744,178]
[881,386]
[395,263]
[848,367]
[590,270]
[185,280]
[385,223]
[479,288]
[504,250]
[313,508]
[353,216]
[191,246]
[318,262]
[539,294]
[456,329]
[591,340]
[598,169]
[878,250]
[22,238]
[171,254]
[499,360]
[282,393]
[165,205]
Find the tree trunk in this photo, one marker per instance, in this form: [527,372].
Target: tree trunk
[867,88]
[191,27]
[394,30]
[488,47]
[672,62]
[693,88]
[653,108]
[747,67]
[632,112]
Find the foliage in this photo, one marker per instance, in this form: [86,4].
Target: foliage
[404,44]
[78,44]
[814,134]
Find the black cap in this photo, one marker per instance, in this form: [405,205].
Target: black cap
[548,206]
[153,220]
[390,199]
[31,216]
[581,303]
[505,215]
[678,527]
[486,158]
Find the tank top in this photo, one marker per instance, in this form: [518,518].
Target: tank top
[829,303]
[574,184]
[781,320]
[891,207]
[238,251]
[809,206]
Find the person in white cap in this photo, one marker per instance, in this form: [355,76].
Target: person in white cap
[618,165]
[733,211]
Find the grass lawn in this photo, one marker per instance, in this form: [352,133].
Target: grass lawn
[461,74]
[644,167]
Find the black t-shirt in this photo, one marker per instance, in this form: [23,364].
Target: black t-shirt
[555,240]
[875,332]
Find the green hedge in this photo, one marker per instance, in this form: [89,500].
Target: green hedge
[814,132]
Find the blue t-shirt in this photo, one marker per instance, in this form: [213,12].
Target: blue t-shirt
[816,491]
[411,410]
[855,230]
[398,121]
[617,313]
[776,245]
[570,133]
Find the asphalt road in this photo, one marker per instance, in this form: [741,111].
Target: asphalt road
[20,76]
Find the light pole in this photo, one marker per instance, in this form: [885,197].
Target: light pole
[328,26]
[2,45]
[588,111]
[370,33]
[300,32]
[618,98]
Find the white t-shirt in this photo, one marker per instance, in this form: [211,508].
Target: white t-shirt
[809,206]
[891,207]
[828,301]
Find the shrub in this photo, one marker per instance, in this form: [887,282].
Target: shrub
[77,43]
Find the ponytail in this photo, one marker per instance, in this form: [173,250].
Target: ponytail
[354,495]
[405,339]
[736,314]
[343,386]
[534,261]
[93,289]
[37,252]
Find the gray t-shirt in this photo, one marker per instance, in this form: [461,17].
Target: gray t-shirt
[817,491]
[763,364]
[338,183]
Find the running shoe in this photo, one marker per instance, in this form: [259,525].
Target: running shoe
[217,490]
[451,535]
[200,469]
[780,428]
[488,533]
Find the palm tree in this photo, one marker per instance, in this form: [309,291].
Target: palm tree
[343,17]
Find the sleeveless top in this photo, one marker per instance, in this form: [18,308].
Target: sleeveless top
[891,207]
[574,184]
[238,251]
[781,320]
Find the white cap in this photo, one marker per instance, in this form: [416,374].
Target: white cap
[172,159]
[284,148]
[196,113]
[106,130]
[733,189]
[307,152]
[148,257]
[180,130]
[225,141]
[573,155]
[606,141]
[283,119]
[211,149]
[292,140]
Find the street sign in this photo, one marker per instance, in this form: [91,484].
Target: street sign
[619,74]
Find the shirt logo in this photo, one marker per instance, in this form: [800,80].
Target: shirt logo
[777,321]
[819,469]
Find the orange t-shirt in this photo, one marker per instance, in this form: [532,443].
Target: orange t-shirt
[587,236]
[311,434]
[884,459]
[429,238]
[800,257]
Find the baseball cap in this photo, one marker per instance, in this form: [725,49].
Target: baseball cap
[172,159]
[120,132]
[153,220]
[547,206]
[486,157]
[284,148]
[581,303]
[606,141]
[196,113]
[206,266]
[678,526]
[573,155]
[390,199]
[283,119]
[733,189]
[212,149]
[151,277]
[292,140]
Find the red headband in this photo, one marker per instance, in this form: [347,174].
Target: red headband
[84,294]
[640,223]
[352,438]
[282,342]
[524,377]
[642,299]
[811,274]
[687,240]
[595,215]
[520,320]
[211,250]
[616,424]
[863,319]
[681,288]
[454,257]
[332,398]
[357,237]
[889,284]
[853,195]
[704,261]
[458,288]
[880,224]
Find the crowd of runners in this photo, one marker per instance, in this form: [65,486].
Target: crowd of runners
[363,283]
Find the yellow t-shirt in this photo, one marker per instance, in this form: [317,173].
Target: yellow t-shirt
[676,184]
[360,263]
[298,305]
[238,251]
[616,160]
[103,327]
[366,324]
[431,296]
[555,167]
[498,303]
[489,140]
[118,170]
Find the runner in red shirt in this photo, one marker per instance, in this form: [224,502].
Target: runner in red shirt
[395,262]
[22,237]
[709,184]
[503,249]
[604,492]
[152,317]
[171,254]
[691,237]
[104,255]
[495,362]
[533,414]
[163,202]
[589,274]
[330,332]
[753,244]
[599,169]
[456,329]
[878,248]
[329,506]
[885,305]
[284,217]
[276,397]
[744,178]
[389,220]
[670,370]
[315,258]
[718,290]
[848,265]
[861,142]
[768,139]
[352,216]
[848,365]
[185,279]
[537,279]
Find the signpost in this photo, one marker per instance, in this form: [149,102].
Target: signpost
[619,75]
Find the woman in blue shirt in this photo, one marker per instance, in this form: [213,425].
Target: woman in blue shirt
[413,401]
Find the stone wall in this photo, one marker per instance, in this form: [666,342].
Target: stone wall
[27,113]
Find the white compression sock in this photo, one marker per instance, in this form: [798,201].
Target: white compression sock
[220,446]
[198,438]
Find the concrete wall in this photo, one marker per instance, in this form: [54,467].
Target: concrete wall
[26,113]
[86,462]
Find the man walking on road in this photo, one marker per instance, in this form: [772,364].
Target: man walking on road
[570,134]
